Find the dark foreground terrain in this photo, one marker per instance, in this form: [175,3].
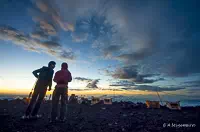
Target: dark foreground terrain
[118,117]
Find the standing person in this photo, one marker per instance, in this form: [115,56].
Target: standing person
[44,76]
[62,78]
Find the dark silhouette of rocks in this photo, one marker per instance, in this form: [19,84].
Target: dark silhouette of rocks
[118,117]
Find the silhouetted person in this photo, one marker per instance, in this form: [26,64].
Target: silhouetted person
[44,75]
[62,78]
[73,99]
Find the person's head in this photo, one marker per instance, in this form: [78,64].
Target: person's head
[64,66]
[52,64]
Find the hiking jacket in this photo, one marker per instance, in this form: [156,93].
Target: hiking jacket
[45,75]
[62,77]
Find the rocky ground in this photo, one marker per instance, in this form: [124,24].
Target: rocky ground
[118,117]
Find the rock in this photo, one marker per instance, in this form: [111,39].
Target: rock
[123,129]
[96,118]
[109,124]
[124,115]
[103,108]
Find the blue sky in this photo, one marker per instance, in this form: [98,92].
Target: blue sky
[128,45]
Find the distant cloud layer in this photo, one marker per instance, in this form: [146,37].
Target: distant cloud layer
[123,83]
[195,83]
[153,88]
[83,79]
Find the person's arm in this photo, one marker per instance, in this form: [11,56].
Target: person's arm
[70,77]
[55,79]
[50,81]
[35,73]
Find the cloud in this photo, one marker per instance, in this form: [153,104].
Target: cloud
[83,79]
[63,25]
[131,83]
[12,34]
[125,72]
[47,28]
[141,79]
[55,49]
[48,15]
[108,51]
[123,83]
[153,88]
[128,88]
[42,6]
[140,33]
[71,10]
[134,57]
[51,45]
[93,84]
[189,62]
[31,49]
[78,89]
[131,73]
[79,37]
[94,19]
[110,89]
[151,35]
[64,54]
[195,83]
[148,34]
[130,30]
[39,35]
[158,40]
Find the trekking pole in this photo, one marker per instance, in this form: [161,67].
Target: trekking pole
[159,96]
[49,96]
[31,92]
[32,89]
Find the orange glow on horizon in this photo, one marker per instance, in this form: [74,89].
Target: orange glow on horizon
[82,92]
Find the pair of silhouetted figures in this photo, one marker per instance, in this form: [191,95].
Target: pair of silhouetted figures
[45,76]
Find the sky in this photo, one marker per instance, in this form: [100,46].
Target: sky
[132,46]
